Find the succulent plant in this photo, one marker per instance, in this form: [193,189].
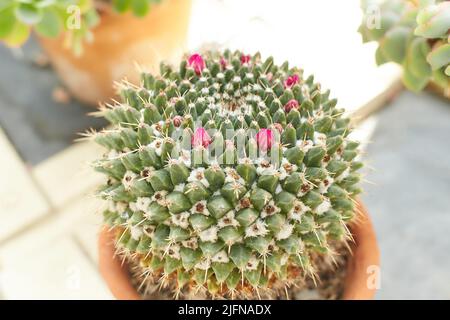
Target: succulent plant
[50,18]
[139,7]
[414,34]
[226,174]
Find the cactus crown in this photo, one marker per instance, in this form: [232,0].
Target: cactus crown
[226,175]
[413,34]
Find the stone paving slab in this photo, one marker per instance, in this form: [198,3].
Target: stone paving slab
[68,174]
[59,270]
[36,124]
[57,259]
[21,202]
[409,200]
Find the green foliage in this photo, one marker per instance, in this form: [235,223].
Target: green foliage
[139,7]
[50,18]
[413,34]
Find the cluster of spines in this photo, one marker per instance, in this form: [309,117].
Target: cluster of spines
[229,221]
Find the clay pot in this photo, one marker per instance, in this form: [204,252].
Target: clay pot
[361,279]
[121,42]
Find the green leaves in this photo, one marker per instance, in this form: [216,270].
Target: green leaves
[28,13]
[433,20]
[7,21]
[394,44]
[51,23]
[18,35]
[439,57]
[17,18]
[140,8]
[121,5]
[50,18]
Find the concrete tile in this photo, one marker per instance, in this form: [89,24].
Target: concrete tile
[37,125]
[86,232]
[59,270]
[21,203]
[68,175]
[409,197]
[56,259]
[83,211]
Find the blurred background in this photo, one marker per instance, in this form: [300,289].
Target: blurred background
[48,216]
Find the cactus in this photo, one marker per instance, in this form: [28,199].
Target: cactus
[414,34]
[226,175]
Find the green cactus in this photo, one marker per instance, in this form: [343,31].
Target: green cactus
[226,174]
[414,34]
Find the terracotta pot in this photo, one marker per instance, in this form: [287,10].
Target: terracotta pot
[363,267]
[121,42]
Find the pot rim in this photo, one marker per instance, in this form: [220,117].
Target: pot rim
[360,282]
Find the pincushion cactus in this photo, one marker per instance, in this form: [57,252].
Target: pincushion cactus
[226,174]
[414,34]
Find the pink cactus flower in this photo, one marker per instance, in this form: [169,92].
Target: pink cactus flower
[245,58]
[291,104]
[196,61]
[201,138]
[223,63]
[264,139]
[291,80]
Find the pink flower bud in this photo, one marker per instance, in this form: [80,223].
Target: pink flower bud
[223,63]
[278,127]
[245,58]
[196,61]
[264,139]
[291,104]
[200,138]
[290,81]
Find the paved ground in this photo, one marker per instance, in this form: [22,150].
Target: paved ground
[410,199]
[37,125]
